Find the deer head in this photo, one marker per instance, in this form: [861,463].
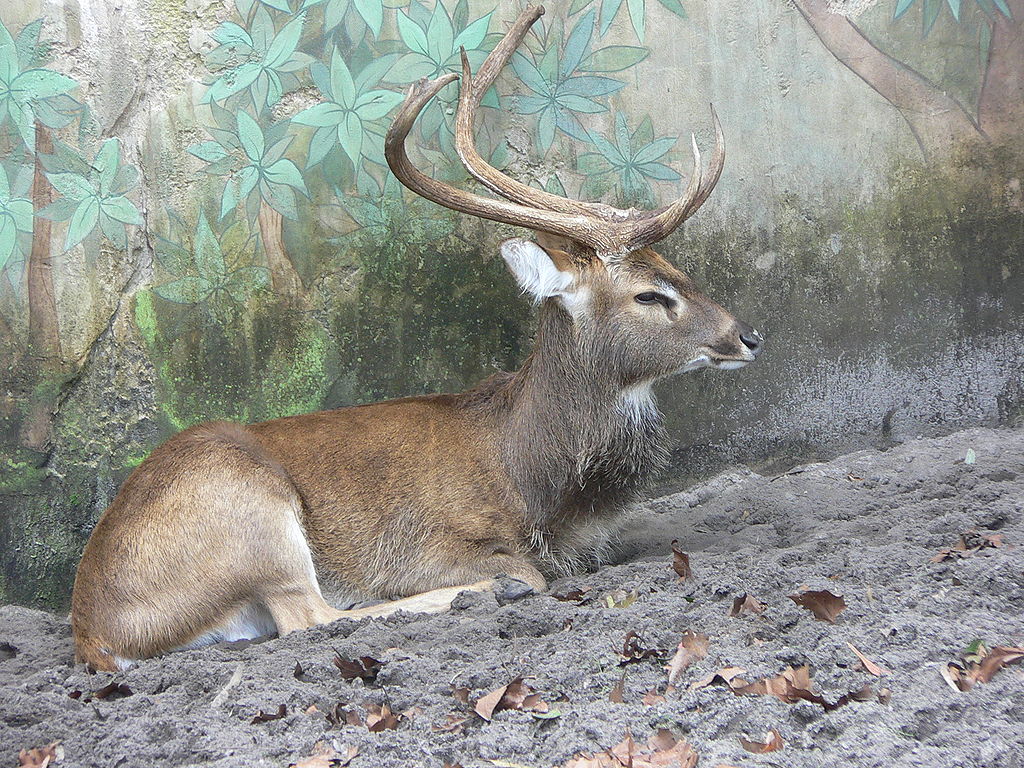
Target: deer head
[636,312]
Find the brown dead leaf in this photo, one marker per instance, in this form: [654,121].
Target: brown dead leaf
[869,666]
[728,676]
[979,666]
[620,598]
[970,542]
[516,695]
[340,715]
[795,685]
[573,595]
[772,742]
[381,718]
[615,695]
[691,648]
[652,698]
[364,668]
[461,694]
[633,650]
[680,562]
[823,604]
[454,723]
[663,750]
[41,757]
[300,674]
[746,604]
[266,717]
[326,756]
[112,691]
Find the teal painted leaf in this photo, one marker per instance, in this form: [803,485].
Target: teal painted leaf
[209,258]
[614,58]
[578,5]
[412,35]
[113,230]
[5,184]
[377,104]
[902,6]
[8,239]
[235,81]
[580,104]
[251,137]
[675,6]
[654,150]
[439,34]
[954,6]
[285,42]
[322,142]
[187,290]
[27,45]
[320,115]
[637,17]
[72,185]
[530,75]
[658,171]
[59,210]
[350,136]
[40,84]
[82,222]
[372,12]
[121,209]
[20,209]
[342,86]
[285,172]
[229,33]
[247,178]
[931,13]
[590,85]
[281,198]
[107,161]
[578,44]
[609,9]
[296,62]
[473,35]
[334,12]
[372,73]
[22,117]
[208,151]
[411,67]
[278,5]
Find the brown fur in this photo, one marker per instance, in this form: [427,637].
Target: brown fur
[525,474]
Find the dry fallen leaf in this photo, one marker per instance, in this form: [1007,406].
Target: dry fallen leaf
[381,718]
[633,650]
[823,604]
[729,676]
[326,756]
[746,604]
[620,598]
[680,562]
[970,542]
[112,691]
[573,595]
[515,695]
[339,715]
[454,723]
[663,750]
[266,717]
[365,668]
[772,742]
[41,757]
[692,647]
[871,667]
[652,698]
[972,671]
[615,695]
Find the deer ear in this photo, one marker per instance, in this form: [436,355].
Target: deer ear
[539,273]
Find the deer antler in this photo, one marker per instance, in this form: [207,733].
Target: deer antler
[606,229]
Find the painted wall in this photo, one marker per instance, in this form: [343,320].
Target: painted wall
[196,222]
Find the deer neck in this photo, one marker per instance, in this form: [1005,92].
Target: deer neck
[579,443]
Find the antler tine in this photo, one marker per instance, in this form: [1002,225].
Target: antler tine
[659,224]
[581,228]
[472,93]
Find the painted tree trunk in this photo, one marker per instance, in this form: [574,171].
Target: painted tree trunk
[1001,104]
[938,121]
[44,348]
[284,279]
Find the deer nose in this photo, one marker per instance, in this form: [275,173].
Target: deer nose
[752,338]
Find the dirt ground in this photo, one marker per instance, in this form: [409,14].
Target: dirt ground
[866,526]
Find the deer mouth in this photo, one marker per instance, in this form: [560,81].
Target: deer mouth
[708,359]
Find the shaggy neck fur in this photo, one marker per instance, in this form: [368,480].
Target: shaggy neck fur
[578,443]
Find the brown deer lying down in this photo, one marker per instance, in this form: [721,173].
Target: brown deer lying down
[229,531]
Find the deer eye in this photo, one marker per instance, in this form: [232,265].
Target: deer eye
[650,297]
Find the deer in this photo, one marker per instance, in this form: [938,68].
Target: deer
[231,531]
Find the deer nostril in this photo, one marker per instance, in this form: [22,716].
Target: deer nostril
[752,339]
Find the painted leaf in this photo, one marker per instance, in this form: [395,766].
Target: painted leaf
[247,178]
[27,44]
[229,33]
[372,73]
[209,258]
[20,210]
[411,34]
[372,12]
[281,198]
[590,85]
[578,5]
[262,29]
[530,75]
[581,104]
[5,184]
[208,151]
[61,209]
[22,118]
[251,136]
[410,67]
[931,13]
[637,17]
[72,185]
[8,239]
[41,84]
[285,172]
[529,105]
[350,136]
[108,158]
[279,5]
[284,42]
[592,164]
[902,6]
[655,150]
[473,35]
[675,6]
[235,81]
[297,61]
[187,290]
[334,12]
[658,171]
[578,44]
[609,9]
[439,34]
[954,6]
[376,104]
[341,81]
[82,222]
[322,142]
[320,115]
[121,209]
[614,58]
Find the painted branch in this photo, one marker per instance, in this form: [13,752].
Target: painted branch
[284,279]
[1001,104]
[938,121]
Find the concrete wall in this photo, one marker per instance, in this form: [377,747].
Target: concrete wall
[870,221]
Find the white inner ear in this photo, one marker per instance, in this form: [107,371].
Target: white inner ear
[534,270]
